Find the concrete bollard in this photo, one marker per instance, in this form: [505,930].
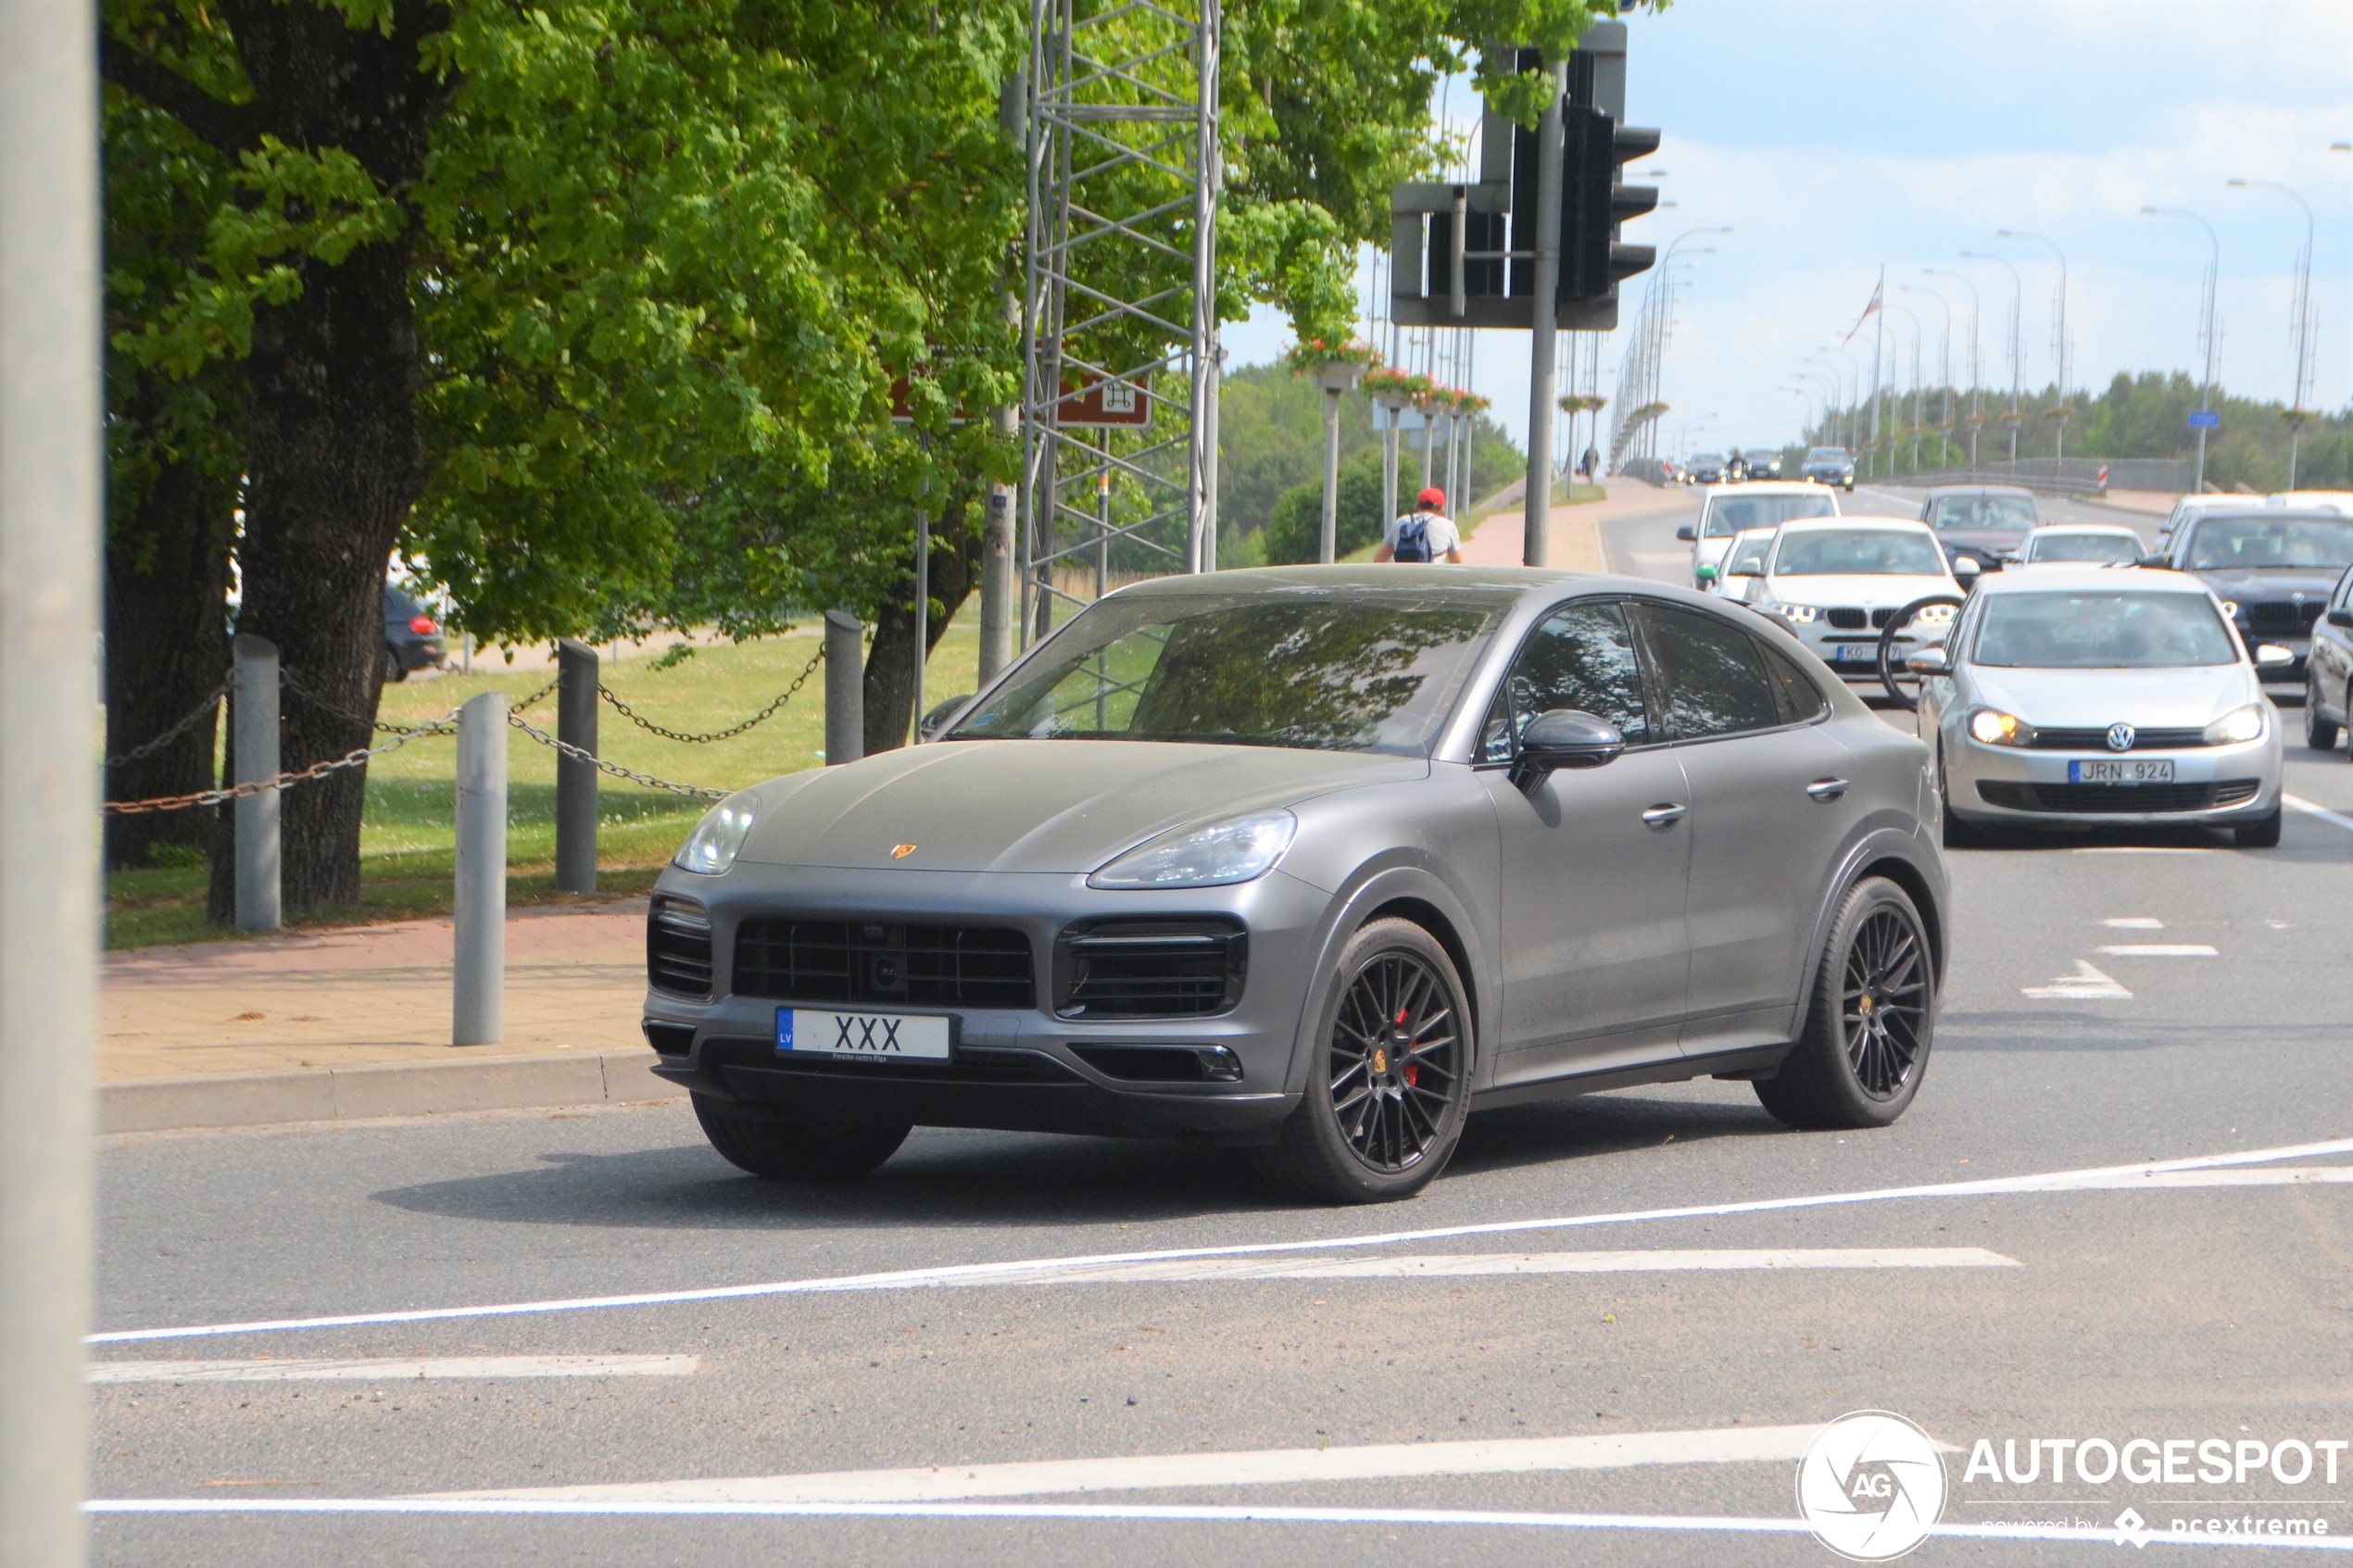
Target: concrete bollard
[253,758]
[478,986]
[845,689]
[576,777]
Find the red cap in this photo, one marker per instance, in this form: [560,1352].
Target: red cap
[1433,496]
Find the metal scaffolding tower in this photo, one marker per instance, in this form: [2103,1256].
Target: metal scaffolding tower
[1119,407]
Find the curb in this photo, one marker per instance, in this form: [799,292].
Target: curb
[340,1093]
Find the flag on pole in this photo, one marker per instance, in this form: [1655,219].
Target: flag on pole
[1866,316]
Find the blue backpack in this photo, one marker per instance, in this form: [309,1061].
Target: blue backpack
[1413,537]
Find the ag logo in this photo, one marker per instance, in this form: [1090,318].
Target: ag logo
[1870,1486]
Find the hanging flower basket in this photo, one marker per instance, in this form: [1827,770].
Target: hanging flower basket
[1335,367]
[1393,388]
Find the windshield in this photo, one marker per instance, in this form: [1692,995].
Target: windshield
[2109,631]
[2011,513]
[1312,668]
[2085,547]
[1707,460]
[1858,552]
[1728,515]
[1748,558]
[2235,543]
[1827,455]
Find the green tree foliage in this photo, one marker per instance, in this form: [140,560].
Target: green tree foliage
[1294,535]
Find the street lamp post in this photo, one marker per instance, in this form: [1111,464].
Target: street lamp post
[1915,321]
[1976,419]
[2205,327]
[2299,322]
[1944,366]
[2017,353]
[2058,338]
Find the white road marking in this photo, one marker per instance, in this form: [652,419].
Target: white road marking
[2298,803]
[2091,1179]
[1146,1514]
[2086,985]
[1436,1265]
[2146,850]
[1268,1467]
[379,1370]
[2163,950]
[2134,923]
[1659,558]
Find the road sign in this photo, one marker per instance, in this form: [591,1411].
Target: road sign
[2205,418]
[1093,401]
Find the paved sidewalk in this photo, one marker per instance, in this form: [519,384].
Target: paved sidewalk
[1574,536]
[357,1022]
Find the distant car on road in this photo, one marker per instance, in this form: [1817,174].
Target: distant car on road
[2093,543]
[2188,507]
[1743,565]
[412,638]
[1761,462]
[2081,695]
[1985,522]
[1765,504]
[1314,862]
[2275,571]
[1708,468]
[1829,465]
[2328,670]
[2313,500]
[1838,583]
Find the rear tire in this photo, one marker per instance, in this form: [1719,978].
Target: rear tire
[394,668]
[2262,833]
[794,1151]
[1386,1094]
[1867,1033]
[2319,733]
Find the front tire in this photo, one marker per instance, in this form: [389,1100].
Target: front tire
[1867,1033]
[1388,1078]
[794,1151]
[1959,835]
[2262,833]
[2319,732]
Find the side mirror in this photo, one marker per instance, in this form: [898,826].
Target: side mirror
[2268,656]
[2160,561]
[1704,573]
[2341,617]
[1565,737]
[1929,661]
[937,719]
[1685,534]
[1966,566]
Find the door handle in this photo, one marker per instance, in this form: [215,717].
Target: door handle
[1664,815]
[1827,789]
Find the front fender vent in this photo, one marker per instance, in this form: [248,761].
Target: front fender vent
[1121,969]
[678,946]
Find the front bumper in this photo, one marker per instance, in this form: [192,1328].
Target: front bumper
[2211,785]
[1022,1070]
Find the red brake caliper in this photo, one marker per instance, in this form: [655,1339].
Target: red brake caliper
[1413,1070]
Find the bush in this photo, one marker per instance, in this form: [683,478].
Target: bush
[1294,535]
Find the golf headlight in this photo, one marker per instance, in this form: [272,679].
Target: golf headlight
[1991,726]
[713,846]
[1796,615]
[1224,853]
[2236,727]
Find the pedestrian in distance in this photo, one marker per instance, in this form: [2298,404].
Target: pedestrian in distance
[1593,461]
[1425,533]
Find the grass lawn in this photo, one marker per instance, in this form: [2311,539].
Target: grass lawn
[407,838]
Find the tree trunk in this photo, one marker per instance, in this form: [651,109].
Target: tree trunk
[891,662]
[334,457]
[166,577]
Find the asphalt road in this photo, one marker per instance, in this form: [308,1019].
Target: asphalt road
[2209,1302]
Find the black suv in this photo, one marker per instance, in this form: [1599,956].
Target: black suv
[2272,569]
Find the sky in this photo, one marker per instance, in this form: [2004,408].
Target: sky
[1834,137]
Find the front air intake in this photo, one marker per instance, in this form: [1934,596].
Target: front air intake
[678,946]
[1150,969]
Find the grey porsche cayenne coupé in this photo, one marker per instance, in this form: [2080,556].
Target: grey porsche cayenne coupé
[1316,861]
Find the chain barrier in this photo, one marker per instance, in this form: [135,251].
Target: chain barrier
[142,752]
[763,716]
[582,754]
[289,682]
[352,758]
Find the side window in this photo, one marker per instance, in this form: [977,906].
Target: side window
[1711,675]
[1801,700]
[1581,657]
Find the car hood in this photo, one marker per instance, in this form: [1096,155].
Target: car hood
[2272,583]
[1872,592]
[1032,806]
[2149,699]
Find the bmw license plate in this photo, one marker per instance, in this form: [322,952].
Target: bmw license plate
[888,1036]
[1855,653]
[2121,771]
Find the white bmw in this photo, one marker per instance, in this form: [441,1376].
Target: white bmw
[1837,582]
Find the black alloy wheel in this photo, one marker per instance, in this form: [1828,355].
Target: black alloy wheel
[1389,1080]
[1870,1022]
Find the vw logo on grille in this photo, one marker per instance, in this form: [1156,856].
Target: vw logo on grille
[2119,738]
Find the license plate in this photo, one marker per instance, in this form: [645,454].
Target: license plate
[888,1036]
[1855,653]
[2121,771]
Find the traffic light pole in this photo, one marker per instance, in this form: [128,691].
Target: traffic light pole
[1542,329]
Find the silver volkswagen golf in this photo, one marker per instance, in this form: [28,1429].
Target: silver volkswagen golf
[1316,861]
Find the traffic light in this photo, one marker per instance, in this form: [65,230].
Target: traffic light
[1595,201]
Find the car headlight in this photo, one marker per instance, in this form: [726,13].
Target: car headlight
[713,846]
[1216,856]
[1934,615]
[2236,727]
[1796,615]
[1991,726]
